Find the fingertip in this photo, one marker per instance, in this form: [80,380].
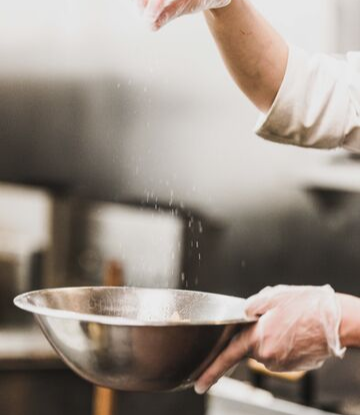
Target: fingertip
[204,383]
[142,5]
[151,24]
[200,389]
[154,27]
[256,305]
[161,21]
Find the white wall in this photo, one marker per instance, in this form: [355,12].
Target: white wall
[160,116]
[348,12]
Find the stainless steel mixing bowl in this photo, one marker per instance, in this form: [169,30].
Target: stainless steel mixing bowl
[136,339]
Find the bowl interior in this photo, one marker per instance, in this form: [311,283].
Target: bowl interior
[138,306]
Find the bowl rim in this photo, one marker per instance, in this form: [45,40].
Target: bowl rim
[22,301]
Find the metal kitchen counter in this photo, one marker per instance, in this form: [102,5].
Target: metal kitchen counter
[232,397]
[26,347]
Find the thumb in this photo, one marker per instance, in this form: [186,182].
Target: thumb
[258,304]
[237,349]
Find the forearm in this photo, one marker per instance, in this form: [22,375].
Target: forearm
[255,54]
[350,323]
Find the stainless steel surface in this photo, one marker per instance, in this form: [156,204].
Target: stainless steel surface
[136,339]
[232,397]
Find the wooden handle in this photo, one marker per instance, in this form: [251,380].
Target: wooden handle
[103,401]
[114,274]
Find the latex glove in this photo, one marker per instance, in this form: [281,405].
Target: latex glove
[160,12]
[298,329]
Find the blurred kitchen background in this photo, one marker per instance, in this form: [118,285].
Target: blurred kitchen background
[127,150]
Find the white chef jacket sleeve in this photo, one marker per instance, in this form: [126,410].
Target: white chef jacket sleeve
[318,104]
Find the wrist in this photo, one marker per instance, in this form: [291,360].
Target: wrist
[350,320]
[220,12]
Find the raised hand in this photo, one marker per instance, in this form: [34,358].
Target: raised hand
[160,12]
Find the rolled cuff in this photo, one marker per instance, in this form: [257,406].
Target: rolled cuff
[333,331]
[312,106]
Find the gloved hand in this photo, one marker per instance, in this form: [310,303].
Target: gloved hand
[160,12]
[298,329]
